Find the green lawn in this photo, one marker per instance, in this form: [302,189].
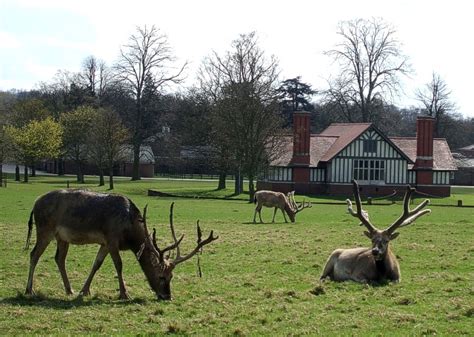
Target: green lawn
[259,279]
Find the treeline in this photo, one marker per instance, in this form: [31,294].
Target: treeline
[229,122]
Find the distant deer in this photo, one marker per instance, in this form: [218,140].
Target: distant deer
[278,200]
[377,263]
[113,222]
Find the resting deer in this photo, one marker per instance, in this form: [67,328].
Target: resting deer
[377,263]
[278,200]
[113,222]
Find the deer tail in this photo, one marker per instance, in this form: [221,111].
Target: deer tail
[30,229]
[254,199]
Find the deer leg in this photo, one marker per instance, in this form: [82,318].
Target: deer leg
[42,241]
[274,212]
[114,253]
[60,258]
[99,259]
[284,215]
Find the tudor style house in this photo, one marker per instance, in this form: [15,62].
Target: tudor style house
[326,163]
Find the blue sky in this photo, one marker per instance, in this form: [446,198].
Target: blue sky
[38,38]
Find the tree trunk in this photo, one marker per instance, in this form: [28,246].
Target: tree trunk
[1,175]
[237,189]
[136,161]
[60,167]
[17,173]
[221,185]
[33,170]
[25,175]
[251,189]
[101,177]
[111,177]
[80,174]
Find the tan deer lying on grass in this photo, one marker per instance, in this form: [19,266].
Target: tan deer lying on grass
[377,263]
[278,200]
[113,222]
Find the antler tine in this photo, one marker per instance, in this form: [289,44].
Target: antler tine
[291,199]
[408,216]
[155,249]
[144,218]
[201,244]
[173,233]
[360,214]
[303,205]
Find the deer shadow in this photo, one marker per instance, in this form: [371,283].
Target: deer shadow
[41,300]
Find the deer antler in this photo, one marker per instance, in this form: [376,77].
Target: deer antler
[302,206]
[362,215]
[408,216]
[200,244]
[155,249]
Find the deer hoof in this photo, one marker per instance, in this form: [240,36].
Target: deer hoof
[85,292]
[124,296]
[30,292]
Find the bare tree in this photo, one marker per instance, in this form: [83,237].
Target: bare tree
[370,61]
[435,97]
[242,85]
[95,75]
[146,57]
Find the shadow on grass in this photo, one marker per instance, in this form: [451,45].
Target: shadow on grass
[41,300]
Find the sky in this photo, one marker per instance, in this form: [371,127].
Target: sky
[38,38]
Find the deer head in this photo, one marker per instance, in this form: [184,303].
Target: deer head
[381,238]
[162,264]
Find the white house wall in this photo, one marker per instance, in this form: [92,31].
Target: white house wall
[396,167]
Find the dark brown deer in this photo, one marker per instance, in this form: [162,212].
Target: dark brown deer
[278,200]
[378,263]
[113,222]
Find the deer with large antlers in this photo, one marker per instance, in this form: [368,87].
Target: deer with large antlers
[113,222]
[377,263]
[278,200]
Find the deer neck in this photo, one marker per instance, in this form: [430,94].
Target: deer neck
[289,210]
[150,266]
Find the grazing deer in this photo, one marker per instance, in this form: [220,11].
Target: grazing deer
[113,222]
[377,263]
[278,200]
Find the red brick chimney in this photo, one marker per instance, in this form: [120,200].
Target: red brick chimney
[301,138]
[424,150]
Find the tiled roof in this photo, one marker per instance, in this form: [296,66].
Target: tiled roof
[318,147]
[346,133]
[442,157]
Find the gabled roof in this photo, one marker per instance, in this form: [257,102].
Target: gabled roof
[346,133]
[442,158]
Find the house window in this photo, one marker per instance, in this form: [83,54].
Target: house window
[370,145]
[369,170]
[279,174]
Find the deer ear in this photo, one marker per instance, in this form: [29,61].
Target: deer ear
[394,236]
[368,234]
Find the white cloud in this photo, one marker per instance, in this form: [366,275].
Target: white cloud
[9,41]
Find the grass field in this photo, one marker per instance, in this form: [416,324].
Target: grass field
[258,279]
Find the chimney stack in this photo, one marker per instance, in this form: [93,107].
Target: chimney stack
[424,150]
[301,138]
[424,142]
